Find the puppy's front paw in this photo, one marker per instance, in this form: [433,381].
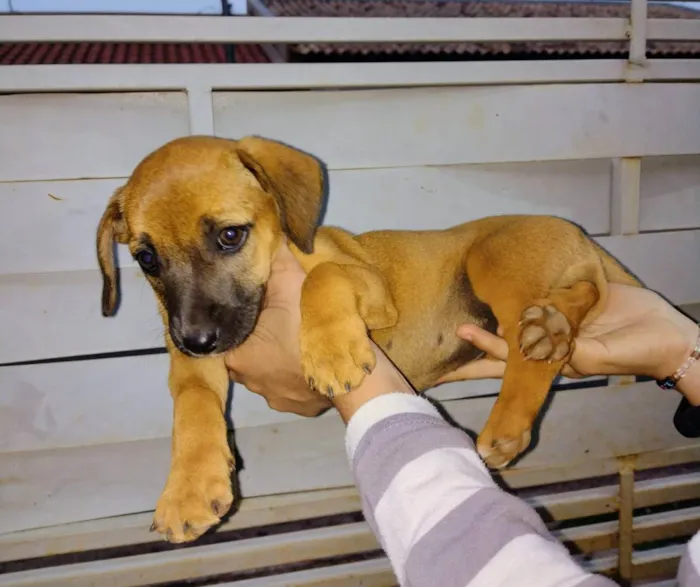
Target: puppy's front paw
[336,355]
[499,445]
[545,334]
[197,494]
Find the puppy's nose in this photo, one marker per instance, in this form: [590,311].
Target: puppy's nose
[201,342]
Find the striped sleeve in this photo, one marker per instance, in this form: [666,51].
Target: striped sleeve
[689,568]
[437,512]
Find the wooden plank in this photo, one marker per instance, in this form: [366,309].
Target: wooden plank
[626,179]
[671,69]
[361,200]
[660,563]
[143,77]
[133,529]
[665,525]
[576,504]
[371,573]
[76,136]
[670,193]
[41,309]
[625,518]
[201,113]
[439,126]
[49,487]
[57,405]
[638,43]
[211,29]
[686,29]
[591,537]
[676,488]
[179,564]
[647,255]
[261,511]
[604,500]
[139,77]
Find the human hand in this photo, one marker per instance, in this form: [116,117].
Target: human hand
[638,333]
[268,362]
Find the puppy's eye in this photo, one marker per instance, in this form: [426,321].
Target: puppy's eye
[232,238]
[148,261]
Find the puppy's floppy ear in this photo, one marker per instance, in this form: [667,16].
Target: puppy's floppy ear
[110,230]
[294,178]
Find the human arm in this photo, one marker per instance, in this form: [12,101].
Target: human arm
[425,492]
[431,502]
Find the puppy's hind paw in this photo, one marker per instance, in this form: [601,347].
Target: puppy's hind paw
[545,334]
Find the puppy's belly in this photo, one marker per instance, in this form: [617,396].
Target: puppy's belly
[424,353]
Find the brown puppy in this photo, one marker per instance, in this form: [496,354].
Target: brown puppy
[204,216]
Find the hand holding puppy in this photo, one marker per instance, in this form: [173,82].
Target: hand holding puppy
[268,362]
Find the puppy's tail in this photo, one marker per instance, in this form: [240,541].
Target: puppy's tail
[615,272]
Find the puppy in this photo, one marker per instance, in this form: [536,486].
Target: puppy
[204,216]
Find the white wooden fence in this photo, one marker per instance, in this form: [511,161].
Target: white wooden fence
[85,420]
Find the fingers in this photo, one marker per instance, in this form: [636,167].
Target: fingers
[492,345]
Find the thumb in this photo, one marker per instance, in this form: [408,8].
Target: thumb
[491,344]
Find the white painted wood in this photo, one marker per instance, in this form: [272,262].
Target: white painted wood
[42,309]
[104,401]
[71,403]
[98,135]
[577,440]
[648,256]
[360,200]
[226,557]
[638,41]
[133,529]
[371,573]
[670,193]
[413,198]
[657,491]
[434,126]
[141,77]
[137,77]
[685,29]
[626,179]
[159,29]
[261,511]
[672,69]
[76,136]
[201,112]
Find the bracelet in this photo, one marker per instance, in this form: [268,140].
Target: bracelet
[672,381]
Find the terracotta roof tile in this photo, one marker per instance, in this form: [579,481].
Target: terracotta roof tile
[482,9]
[58,53]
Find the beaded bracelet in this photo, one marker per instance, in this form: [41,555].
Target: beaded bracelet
[670,382]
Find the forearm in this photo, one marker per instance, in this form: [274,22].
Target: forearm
[435,508]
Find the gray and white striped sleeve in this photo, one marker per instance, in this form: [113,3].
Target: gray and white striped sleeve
[689,569]
[437,512]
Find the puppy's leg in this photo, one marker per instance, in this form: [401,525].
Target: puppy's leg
[539,307]
[198,490]
[539,345]
[338,304]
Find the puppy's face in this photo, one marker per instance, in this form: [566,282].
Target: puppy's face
[203,218]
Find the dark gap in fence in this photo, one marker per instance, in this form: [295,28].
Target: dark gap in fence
[653,545]
[670,471]
[667,507]
[274,570]
[162,546]
[92,357]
